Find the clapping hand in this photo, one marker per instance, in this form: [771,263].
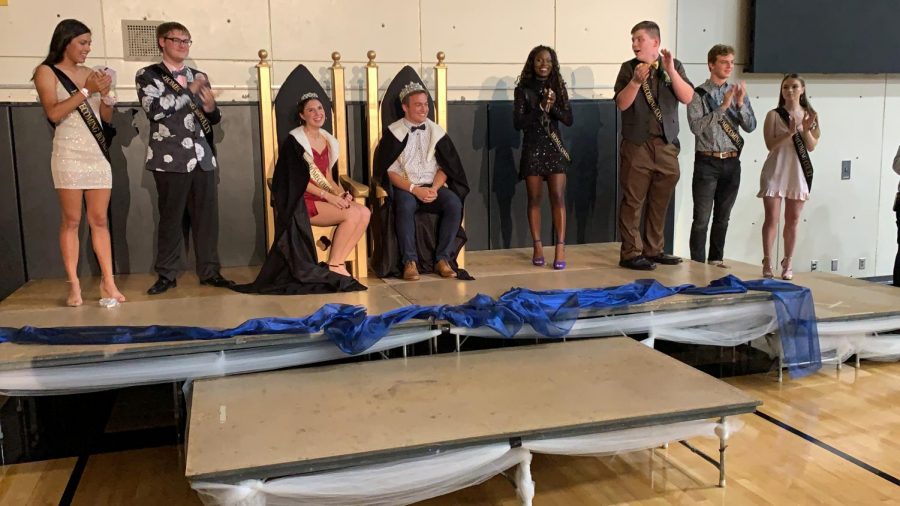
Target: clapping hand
[729,97]
[97,81]
[809,119]
[198,83]
[740,93]
[208,98]
[668,60]
[641,73]
[549,99]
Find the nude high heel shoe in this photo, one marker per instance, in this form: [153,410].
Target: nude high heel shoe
[767,268]
[787,269]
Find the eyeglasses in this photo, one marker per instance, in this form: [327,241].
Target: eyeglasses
[176,40]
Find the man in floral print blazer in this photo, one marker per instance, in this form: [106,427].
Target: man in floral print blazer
[181,155]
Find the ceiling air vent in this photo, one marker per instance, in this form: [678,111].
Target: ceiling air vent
[139,38]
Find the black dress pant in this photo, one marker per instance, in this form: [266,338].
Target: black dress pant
[715,188]
[195,193]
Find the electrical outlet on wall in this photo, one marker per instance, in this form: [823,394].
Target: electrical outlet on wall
[862,264]
[845,169]
[814,265]
[834,264]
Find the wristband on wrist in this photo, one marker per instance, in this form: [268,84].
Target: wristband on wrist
[411,187]
[85,92]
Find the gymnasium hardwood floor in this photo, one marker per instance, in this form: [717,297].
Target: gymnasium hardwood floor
[851,411]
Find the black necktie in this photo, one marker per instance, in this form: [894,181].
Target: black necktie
[420,127]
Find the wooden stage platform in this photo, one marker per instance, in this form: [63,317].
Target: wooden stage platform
[40,303]
[294,422]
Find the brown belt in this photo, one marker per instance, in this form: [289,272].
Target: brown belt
[721,155]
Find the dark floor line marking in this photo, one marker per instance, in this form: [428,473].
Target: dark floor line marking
[825,446]
[74,481]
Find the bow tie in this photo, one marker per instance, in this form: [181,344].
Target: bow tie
[420,127]
[182,72]
[655,64]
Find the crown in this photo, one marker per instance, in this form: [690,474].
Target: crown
[308,95]
[412,87]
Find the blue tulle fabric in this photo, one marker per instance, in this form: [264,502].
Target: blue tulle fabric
[551,313]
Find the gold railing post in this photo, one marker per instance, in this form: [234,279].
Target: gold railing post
[373,119]
[266,137]
[339,104]
[360,254]
[440,91]
[440,116]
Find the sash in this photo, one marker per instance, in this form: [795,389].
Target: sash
[174,86]
[800,147]
[316,175]
[645,87]
[726,125]
[93,123]
[545,123]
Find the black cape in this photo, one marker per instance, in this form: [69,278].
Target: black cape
[291,266]
[386,259]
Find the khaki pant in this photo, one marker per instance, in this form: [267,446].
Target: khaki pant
[647,172]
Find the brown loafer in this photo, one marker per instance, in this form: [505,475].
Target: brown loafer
[443,268]
[410,272]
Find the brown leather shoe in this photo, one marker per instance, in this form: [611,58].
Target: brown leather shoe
[443,268]
[410,273]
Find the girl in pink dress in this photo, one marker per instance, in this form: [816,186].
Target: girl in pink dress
[783,175]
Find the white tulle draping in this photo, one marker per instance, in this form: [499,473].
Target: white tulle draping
[415,479]
[394,483]
[870,338]
[65,379]
[630,440]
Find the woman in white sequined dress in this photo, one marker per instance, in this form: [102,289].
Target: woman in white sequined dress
[80,170]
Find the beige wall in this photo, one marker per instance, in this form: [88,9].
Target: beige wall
[485,43]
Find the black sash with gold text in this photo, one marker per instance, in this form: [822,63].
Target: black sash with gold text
[177,88]
[645,87]
[729,129]
[799,146]
[95,126]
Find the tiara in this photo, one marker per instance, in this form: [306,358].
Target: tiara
[308,95]
[412,87]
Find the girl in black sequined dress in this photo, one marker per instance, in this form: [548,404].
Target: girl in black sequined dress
[541,102]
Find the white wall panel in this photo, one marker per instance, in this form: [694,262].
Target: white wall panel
[26,27]
[705,23]
[475,31]
[598,31]
[886,245]
[309,30]
[220,30]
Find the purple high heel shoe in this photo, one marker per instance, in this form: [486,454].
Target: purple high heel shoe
[538,261]
[559,264]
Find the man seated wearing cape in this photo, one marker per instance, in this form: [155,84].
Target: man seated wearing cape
[417,164]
